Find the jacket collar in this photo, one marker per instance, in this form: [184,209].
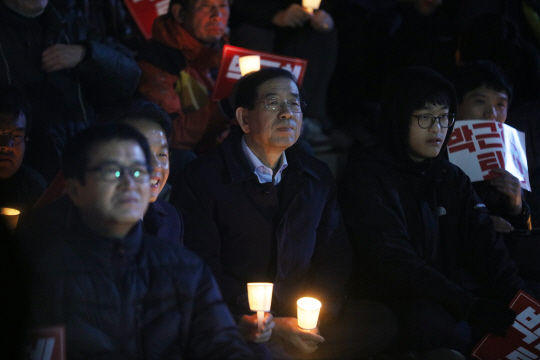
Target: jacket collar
[238,166]
[90,241]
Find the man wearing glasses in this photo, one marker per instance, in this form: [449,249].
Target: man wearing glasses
[119,292]
[423,240]
[20,185]
[257,210]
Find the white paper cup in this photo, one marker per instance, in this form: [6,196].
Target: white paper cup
[308,312]
[10,217]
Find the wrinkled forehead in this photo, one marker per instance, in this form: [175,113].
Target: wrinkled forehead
[278,87]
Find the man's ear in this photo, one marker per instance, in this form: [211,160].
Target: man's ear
[242,118]
[178,13]
[73,189]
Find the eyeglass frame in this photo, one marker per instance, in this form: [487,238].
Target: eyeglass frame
[266,106]
[9,135]
[436,119]
[123,170]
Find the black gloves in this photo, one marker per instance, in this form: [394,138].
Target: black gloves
[490,316]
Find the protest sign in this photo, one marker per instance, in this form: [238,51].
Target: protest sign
[523,339]
[478,146]
[229,69]
[144,12]
[46,344]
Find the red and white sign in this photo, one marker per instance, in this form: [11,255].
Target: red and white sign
[229,70]
[479,146]
[47,344]
[144,12]
[523,339]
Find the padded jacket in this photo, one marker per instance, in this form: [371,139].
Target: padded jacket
[418,229]
[139,297]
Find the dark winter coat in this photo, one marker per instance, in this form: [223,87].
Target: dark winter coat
[291,235]
[418,229]
[61,100]
[133,298]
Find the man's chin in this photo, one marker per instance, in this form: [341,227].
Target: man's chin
[7,170]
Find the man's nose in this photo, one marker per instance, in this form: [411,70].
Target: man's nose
[6,141]
[154,161]
[215,11]
[127,180]
[285,112]
[436,127]
[490,113]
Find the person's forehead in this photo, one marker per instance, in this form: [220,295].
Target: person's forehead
[125,152]
[484,91]
[277,86]
[198,3]
[429,106]
[10,121]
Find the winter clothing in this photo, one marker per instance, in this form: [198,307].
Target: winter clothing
[291,235]
[60,99]
[178,73]
[22,190]
[418,229]
[130,298]
[163,220]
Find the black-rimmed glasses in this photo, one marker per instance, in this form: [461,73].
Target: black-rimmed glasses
[112,172]
[426,121]
[16,137]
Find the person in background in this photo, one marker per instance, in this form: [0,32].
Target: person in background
[161,218]
[423,241]
[179,66]
[484,93]
[118,291]
[258,210]
[67,73]
[20,185]
[287,28]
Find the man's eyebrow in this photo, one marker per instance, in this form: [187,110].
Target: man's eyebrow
[114,162]
[276,94]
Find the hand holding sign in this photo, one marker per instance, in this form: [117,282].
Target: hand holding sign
[508,185]
[523,339]
[491,316]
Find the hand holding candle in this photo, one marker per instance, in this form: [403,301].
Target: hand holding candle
[308,312]
[260,299]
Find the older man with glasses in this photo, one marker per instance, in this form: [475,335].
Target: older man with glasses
[258,210]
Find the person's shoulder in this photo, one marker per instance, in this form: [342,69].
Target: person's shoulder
[310,164]
[162,56]
[164,208]
[210,163]
[163,253]
[450,171]
[33,178]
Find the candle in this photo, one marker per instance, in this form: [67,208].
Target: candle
[310,5]
[249,64]
[308,312]
[260,299]
[10,217]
